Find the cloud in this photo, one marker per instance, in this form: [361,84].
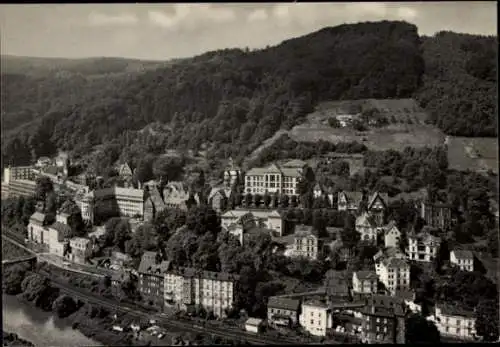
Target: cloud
[101,19]
[407,13]
[257,15]
[191,16]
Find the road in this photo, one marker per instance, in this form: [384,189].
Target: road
[171,322]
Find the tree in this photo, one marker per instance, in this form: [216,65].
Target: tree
[43,187]
[75,220]
[284,201]
[257,200]
[168,168]
[64,306]
[144,170]
[202,219]
[266,199]
[420,330]
[319,223]
[334,122]
[486,315]
[34,286]
[350,237]
[13,277]
[248,199]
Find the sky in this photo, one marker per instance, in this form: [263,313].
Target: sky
[166,31]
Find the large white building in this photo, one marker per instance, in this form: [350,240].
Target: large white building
[394,273]
[316,318]
[422,247]
[463,259]
[454,322]
[13,173]
[54,237]
[367,227]
[275,179]
[270,219]
[306,244]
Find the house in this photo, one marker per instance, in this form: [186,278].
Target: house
[57,238]
[349,201]
[176,195]
[392,235]
[43,161]
[283,311]
[422,247]
[273,179]
[13,173]
[390,252]
[187,287]
[409,299]
[151,279]
[316,317]
[154,203]
[319,191]
[436,215]
[37,232]
[125,171]
[22,188]
[119,258]
[452,321]
[394,273]
[337,285]
[366,225]
[249,218]
[253,325]
[463,259]
[79,248]
[306,243]
[219,198]
[231,174]
[377,205]
[365,282]
[117,279]
[383,320]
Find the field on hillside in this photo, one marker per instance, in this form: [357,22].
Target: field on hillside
[473,153]
[407,125]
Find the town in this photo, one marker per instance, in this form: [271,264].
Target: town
[358,265]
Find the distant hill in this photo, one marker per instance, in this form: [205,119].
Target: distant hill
[232,100]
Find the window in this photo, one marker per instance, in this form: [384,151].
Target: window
[312,322]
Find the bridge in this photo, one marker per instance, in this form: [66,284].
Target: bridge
[30,258]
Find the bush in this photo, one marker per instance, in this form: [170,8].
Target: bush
[64,306]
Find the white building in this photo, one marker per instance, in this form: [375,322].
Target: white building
[316,318]
[394,273]
[306,244]
[253,325]
[365,282]
[36,231]
[422,247]
[392,235]
[13,173]
[275,179]
[463,259]
[366,225]
[270,219]
[79,246]
[454,322]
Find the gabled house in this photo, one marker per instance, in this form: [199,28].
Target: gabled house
[463,259]
[365,282]
[383,320]
[392,235]
[436,215]
[377,205]
[219,198]
[349,201]
[366,225]
[306,243]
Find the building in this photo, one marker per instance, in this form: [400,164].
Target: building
[231,174]
[366,225]
[22,188]
[274,179]
[176,195]
[214,291]
[253,325]
[365,282]
[377,205]
[454,322]
[248,218]
[319,191]
[13,173]
[79,248]
[316,317]
[409,299]
[306,243]
[219,198]
[117,279]
[349,201]
[5,190]
[383,320]
[125,171]
[85,201]
[43,161]
[422,247]
[392,235]
[394,273]
[436,215]
[37,232]
[463,259]
[337,285]
[151,279]
[119,258]
[154,203]
[283,311]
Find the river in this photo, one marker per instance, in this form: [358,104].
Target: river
[39,327]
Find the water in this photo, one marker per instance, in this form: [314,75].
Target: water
[39,327]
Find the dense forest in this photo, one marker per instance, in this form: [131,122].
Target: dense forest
[229,101]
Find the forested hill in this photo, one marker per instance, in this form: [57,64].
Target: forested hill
[232,100]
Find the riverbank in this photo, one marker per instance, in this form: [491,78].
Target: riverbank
[12,339]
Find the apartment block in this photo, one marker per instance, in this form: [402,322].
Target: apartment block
[455,322]
[422,247]
[316,317]
[14,173]
[394,273]
[278,179]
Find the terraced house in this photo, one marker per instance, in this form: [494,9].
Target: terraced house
[214,291]
[151,279]
[275,179]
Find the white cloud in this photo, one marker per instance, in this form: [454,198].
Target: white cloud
[101,19]
[191,16]
[257,15]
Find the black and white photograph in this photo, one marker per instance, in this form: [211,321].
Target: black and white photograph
[287,173]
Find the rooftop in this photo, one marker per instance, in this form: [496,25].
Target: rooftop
[352,197]
[463,254]
[283,303]
[316,303]
[37,217]
[366,275]
[452,310]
